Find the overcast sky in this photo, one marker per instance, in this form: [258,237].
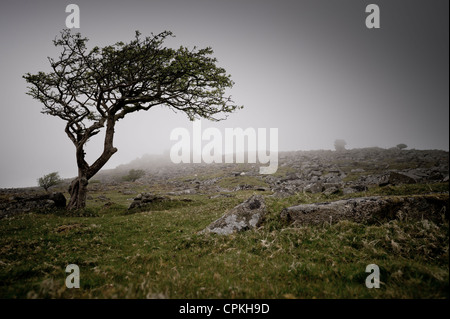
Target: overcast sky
[309,68]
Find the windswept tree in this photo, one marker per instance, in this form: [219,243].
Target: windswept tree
[49,180]
[93,89]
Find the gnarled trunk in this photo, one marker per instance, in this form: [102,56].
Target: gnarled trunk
[78,187]
[78,193]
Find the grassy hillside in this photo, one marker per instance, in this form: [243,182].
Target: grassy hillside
[159,253]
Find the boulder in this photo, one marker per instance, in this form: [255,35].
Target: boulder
[59,199]
[333,180]
[331,190]
[145,199]
[354,189]
[315,173]
[313,188]
[349,190]
[183,192]
[369,209]
[331,185]
[103,198]
[244,216]
[397,178]
[280,193]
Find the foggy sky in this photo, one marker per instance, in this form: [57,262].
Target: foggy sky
[309,68]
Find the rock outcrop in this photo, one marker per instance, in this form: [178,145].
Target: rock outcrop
[141,201]
[370,209]
[32,203]
[244,216]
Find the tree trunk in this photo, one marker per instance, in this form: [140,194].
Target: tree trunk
[78,187]
[78,193]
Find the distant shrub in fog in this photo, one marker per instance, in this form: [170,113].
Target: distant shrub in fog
[339,145]
[133,175]
[49,180]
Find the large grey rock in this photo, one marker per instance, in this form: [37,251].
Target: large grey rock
[331,190]
[397,178]
[369,209]
[244,216]
[313,188]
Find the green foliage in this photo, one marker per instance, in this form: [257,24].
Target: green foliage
[49,180]
[130,77]
[401,146]
[133,175]
[93,89]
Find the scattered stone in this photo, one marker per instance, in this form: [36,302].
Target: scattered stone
[315,173]
[128,192]
[289,177]
[145,199]
[333,180]
[331,185]
[314,188]
[281,194]
[221,195]
[349,190]
[331,191]
[183,192]
[32,203]
[245,216]
[314,179]
[354,189]
[396,178]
